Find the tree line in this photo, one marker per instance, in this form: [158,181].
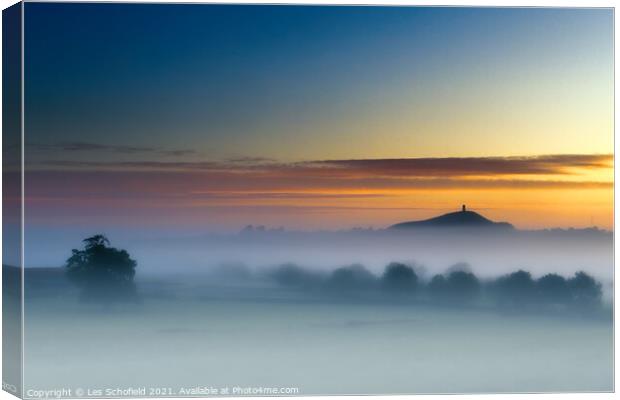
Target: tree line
[105,272]
[458,286]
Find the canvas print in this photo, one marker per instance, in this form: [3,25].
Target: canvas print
[287,200]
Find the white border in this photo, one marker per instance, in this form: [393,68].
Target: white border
[479,3]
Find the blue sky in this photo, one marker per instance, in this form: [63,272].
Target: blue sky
[258,80]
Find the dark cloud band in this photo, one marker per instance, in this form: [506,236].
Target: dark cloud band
[563,164]
[97,147]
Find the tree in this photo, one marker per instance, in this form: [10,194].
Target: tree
[96,241]
[516,289]
[586,291]
[353,277]
[102,271]
[399,277]
[292,275]
[458,287]
[553,289]
[463,286]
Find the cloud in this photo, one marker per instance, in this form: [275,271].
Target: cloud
[177,153]
[369,169]
[135,165]
[282,195]
[97,147]
[251,160]
[469,166]
[261,180]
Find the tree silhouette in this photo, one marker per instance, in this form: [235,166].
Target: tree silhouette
[553,289]
[101,271]
[294,276]
[459,287]
[515,290]
[463,286]
[586,291]
[353,277]
[96,241]
[399,277]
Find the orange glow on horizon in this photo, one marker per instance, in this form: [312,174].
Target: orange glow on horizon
[339,195]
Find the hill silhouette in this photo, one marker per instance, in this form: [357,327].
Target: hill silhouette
[458,219]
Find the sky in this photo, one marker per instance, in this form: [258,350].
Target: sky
[193,118]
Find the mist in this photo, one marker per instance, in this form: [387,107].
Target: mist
[350,312]
[492,253]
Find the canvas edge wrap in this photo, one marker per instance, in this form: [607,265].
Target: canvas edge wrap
[12,198]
